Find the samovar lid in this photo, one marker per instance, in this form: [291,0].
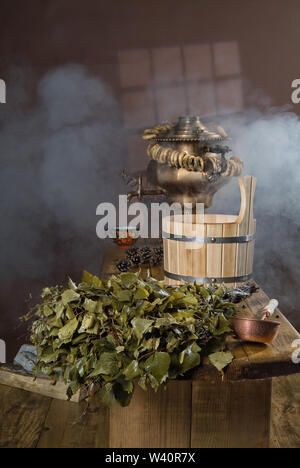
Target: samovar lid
[188,129]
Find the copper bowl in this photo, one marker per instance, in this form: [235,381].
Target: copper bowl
[257,331]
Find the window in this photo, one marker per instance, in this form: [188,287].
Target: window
[160,84]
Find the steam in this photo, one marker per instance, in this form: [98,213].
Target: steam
[269,144]
[59,158]
[61,155]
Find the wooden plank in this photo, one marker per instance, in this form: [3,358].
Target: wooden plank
[214,252]
[166,255]
[243,223]
[231,415]
[41,386]
[154,420]
[285,427]
[251,229]
[229,251]
[285,430]
[68,418]
[22,416]
[69,425]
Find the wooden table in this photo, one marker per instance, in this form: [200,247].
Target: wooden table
[210,410]
[255,405]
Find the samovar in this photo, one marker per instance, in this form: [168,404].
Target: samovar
[188,161]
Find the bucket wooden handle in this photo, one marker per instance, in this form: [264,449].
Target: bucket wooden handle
[247,187]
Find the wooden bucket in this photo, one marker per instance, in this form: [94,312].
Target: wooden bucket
[222,254]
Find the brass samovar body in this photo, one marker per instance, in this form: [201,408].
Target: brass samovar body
[188,161]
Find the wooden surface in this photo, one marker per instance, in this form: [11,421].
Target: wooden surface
[40,385]
[234,413]
[157,420]
[231,414]
[285,421]
[196,414]
[69,425]
[28,420]
[203,413]
[22,417]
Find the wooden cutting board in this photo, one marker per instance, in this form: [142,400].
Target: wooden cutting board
[14,376]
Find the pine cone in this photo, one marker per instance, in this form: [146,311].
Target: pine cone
[123,265]
[131,253]
[155,260]
[136,260]
[145,254]
[159,252]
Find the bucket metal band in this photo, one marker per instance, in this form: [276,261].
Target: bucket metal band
[210,240]
[196,279]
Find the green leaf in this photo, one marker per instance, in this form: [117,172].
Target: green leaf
[91,280]
[109,333]
[128,279]
[132,371]
[68,330]
[87,323]
[221,360]
[50,356]
[46,293]
[190,358]
[59,310]
[90,306]
[107,395]
[204,292]
[141,326]
[122,397]
[69,296]
[72,285]
[189,300]
[69,312]
[223,326]
[141,293]
[48,311]
[143,383]
[107,365]
[124,296]
[158,365]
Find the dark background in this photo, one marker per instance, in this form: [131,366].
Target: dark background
[140,49]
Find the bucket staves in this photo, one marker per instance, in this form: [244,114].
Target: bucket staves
[222,253]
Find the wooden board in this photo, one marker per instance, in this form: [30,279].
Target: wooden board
[154,420]
[69,425]
[231,415]
[22,417]
[30,420]
[285,422]
[42,386]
